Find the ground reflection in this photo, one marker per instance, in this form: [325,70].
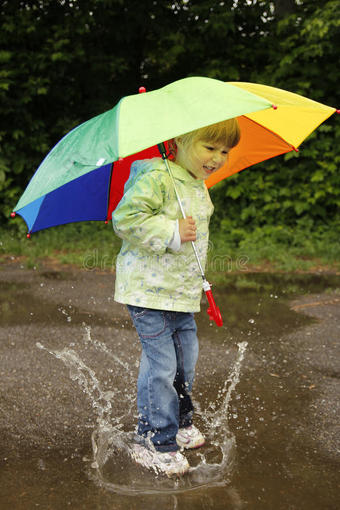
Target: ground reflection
[68,366]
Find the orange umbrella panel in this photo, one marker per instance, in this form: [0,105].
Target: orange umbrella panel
[256,144]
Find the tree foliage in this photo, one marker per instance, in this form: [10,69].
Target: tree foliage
[64,61]
[301,187]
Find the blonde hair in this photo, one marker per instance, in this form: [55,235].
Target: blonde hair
[225,133]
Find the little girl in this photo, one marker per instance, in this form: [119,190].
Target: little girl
[157,277]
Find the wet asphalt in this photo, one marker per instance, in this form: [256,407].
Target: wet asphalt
[284,413]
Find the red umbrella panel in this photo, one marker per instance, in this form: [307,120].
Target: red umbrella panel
[120,174]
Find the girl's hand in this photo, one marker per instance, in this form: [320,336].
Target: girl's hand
[187,229]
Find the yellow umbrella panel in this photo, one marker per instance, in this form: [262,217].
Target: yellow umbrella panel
[274,131]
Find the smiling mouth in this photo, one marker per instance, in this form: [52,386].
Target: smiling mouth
[208,170]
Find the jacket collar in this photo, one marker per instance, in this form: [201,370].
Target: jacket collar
[178,172]
[182,175]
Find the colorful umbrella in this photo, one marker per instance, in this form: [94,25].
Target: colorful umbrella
[77,180]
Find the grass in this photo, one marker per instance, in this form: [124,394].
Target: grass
[84,245]
[95,246]
[277,248]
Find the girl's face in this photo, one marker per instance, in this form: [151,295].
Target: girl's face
[201,158]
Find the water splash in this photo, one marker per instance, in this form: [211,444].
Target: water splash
[87,380]
[218,457]
[112,467]
[102,347]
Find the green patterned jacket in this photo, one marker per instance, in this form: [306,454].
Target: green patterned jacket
[149,273]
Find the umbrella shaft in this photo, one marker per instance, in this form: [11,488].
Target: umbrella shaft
[184,216]
[198,260]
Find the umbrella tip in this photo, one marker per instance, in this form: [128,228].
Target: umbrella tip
[28,236]
[141,90]
[13,214]
[274,106]
[337,111]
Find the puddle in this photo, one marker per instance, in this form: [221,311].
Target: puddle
[255,401]
[19,306]
[57,275]
[111,444]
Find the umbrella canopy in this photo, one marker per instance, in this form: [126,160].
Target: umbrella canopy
[77,180]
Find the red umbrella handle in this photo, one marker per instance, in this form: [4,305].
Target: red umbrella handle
[213,310]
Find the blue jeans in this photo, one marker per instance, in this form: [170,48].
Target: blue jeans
[166,373]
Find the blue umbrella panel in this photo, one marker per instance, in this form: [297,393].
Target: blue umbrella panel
[83,199]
